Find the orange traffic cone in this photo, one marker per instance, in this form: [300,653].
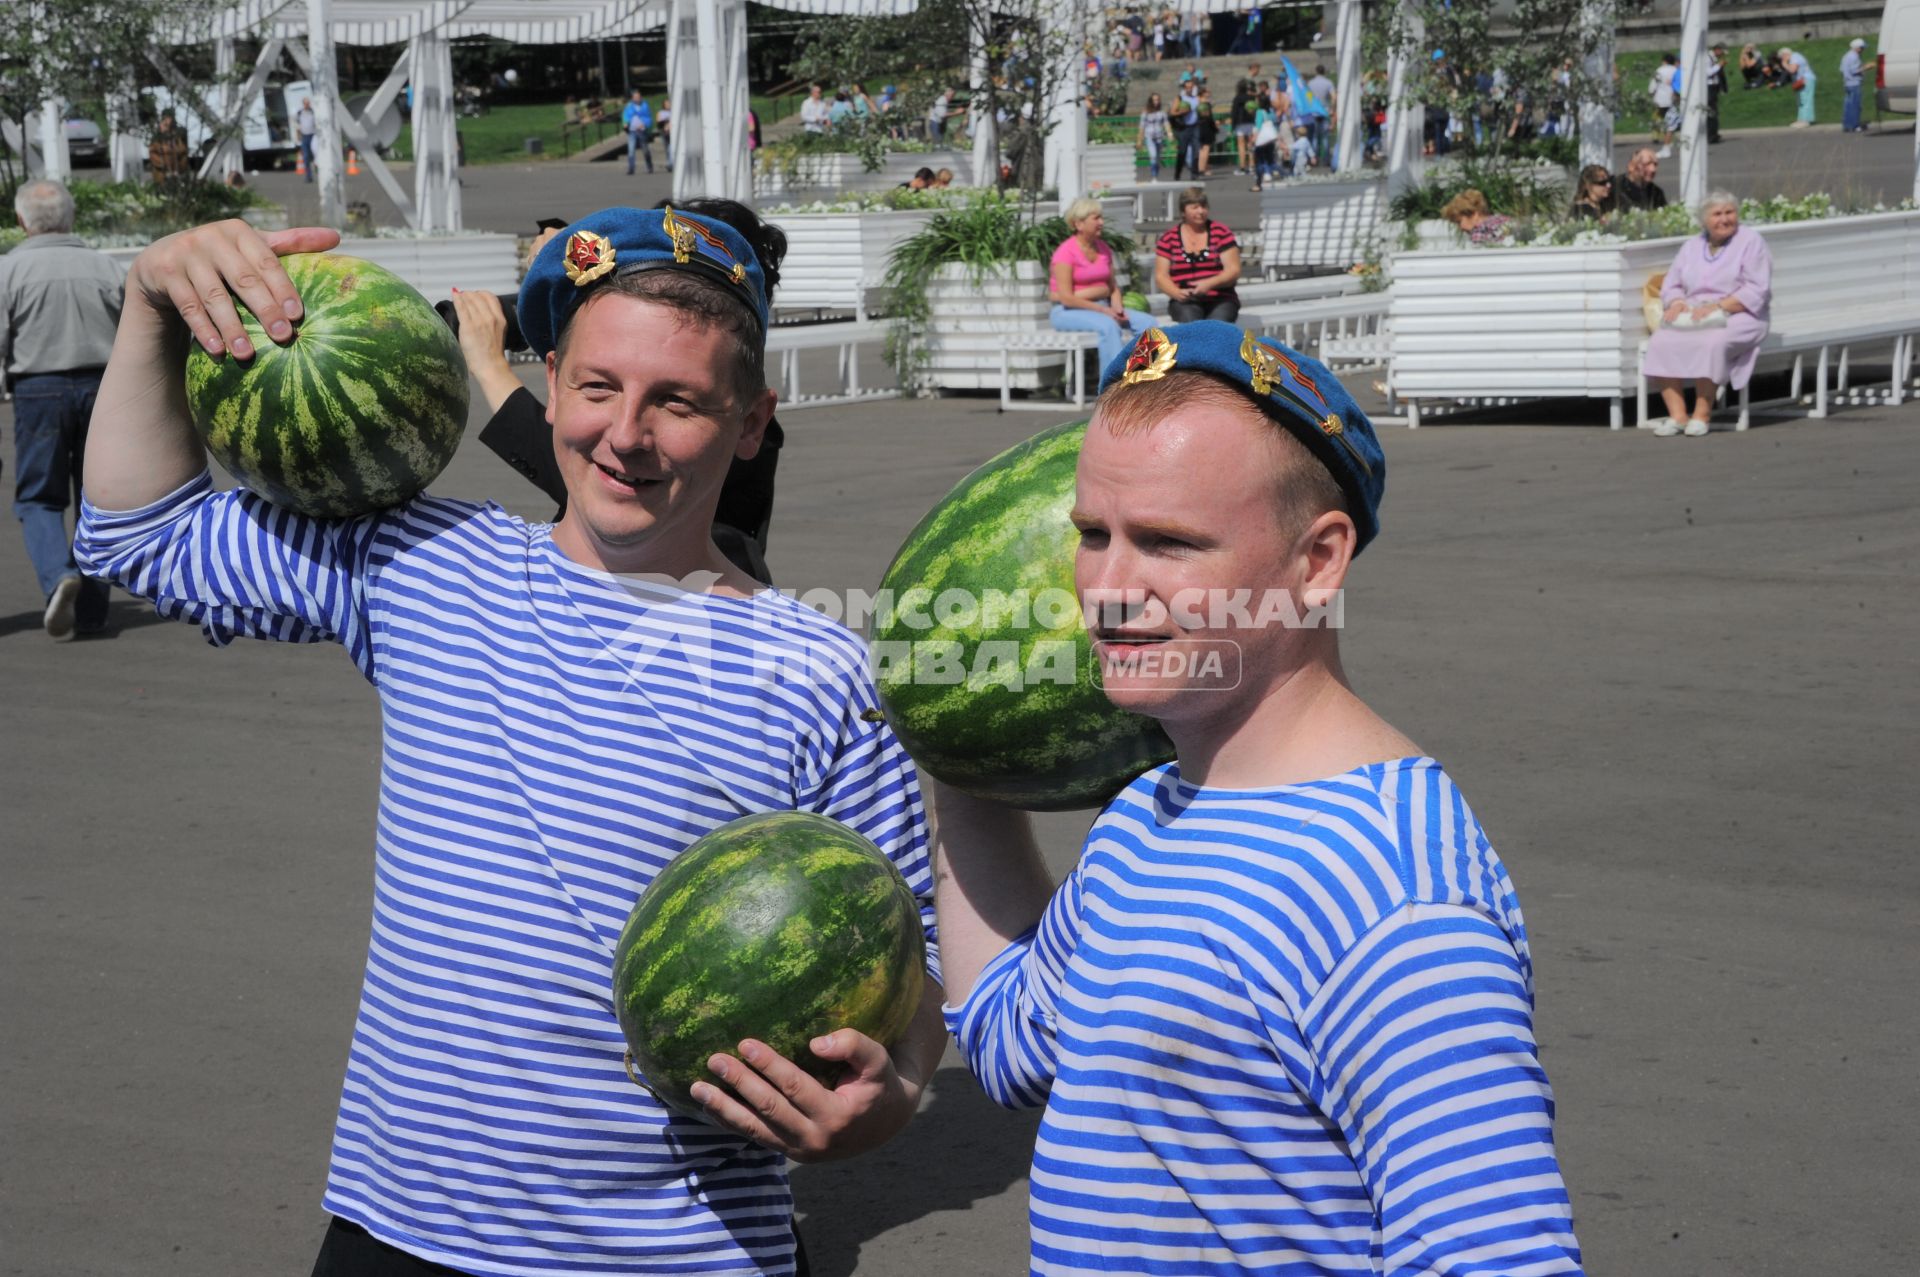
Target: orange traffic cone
[300,165]
[353,163]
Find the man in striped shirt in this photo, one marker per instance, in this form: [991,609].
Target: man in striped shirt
[555,730]
[1280,1012]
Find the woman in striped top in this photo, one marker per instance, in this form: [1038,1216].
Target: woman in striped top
[1280,1012]
[1197,263]
[554,731]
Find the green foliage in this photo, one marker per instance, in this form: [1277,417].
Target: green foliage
[871,144]
[1517,189]
[987,235]
[136,211]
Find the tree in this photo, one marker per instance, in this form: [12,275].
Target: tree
[1494,64]
[77,50]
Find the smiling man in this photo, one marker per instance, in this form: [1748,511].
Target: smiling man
[1280,1012]
[565,708]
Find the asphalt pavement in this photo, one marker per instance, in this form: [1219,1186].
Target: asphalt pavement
[1675,677]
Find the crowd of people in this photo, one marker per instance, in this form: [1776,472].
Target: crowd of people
[1274,130]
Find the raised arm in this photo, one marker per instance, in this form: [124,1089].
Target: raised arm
[141,444]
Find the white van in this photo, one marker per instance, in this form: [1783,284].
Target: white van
[1897,69]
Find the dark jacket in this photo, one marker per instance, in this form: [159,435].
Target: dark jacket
[1629,194]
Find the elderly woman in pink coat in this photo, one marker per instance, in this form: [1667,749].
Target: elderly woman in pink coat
[1715,302]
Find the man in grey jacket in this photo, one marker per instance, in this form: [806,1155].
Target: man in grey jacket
[59,309]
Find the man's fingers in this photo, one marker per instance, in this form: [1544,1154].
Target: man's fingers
[202,295]
[863,1056]
[799,1094]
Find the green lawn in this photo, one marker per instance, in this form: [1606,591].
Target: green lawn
[500,136]
[1757,108]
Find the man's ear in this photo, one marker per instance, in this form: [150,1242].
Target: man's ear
[1323,553]
[754,428]
[553,382]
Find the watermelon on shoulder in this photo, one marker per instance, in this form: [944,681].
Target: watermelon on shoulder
[1000,705]
[781,926]
[359,412]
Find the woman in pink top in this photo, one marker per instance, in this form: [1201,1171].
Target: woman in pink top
[1085,290]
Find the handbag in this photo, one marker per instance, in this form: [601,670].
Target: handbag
[1267,134]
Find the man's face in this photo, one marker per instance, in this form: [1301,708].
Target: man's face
[644,427]
[1643,167]
[1176,524]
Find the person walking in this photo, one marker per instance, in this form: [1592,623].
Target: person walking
[638,121]
[815,114]
[1186,132]
[1853,80]
[59,309]
[1666,103]
[1716,85]
[308,126]
[1320,121]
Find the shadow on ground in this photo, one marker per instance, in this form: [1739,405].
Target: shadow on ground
[960,1149]
[122,614]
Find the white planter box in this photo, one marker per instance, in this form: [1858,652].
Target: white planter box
[1111,164]
[435,266]
[821,176]
[829,254]
[970,320]
[1319,223]
[1483,323]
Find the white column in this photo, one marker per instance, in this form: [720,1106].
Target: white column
[1352,137]
[55,162]
[985,129]
[325,78]
[1405,120]
[228,155]
[1066,111]
[1596,115]
[1693,103]
[436,146]
[123,143]
[737,94]
[712,109]
[683,93]
[1916,164]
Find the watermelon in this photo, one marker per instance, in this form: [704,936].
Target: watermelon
[781,926]
[358,413]
[1026,724]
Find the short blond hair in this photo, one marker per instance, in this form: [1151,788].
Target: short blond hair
[1080,210]
[1465,205]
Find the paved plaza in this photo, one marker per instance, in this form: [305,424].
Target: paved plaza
[1674,676]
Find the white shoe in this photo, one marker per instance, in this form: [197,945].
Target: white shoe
[1666,427]
[1696,428]
[1664,153]
[59,617]
[1798,124]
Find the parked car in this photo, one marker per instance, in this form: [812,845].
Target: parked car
[1897,69]
[85,143]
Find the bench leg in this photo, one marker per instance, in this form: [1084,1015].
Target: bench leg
[1745,413]
[1617,415]
[853,368]
[1840,383]
[1900,346]
[1640,397]
[1820,386]
[1793,387]
[1078,358]
[1413,414]
[1006,380]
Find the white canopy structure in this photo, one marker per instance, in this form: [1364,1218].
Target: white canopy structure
[1693,103]
[706,63]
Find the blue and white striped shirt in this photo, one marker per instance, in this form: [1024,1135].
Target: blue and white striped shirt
[551,737]
[1282,1031]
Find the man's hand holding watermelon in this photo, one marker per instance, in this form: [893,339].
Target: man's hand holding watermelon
[779,1104]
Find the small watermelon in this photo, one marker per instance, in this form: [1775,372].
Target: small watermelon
[1135,301]
[1013,729]
[781,926]
[359,412]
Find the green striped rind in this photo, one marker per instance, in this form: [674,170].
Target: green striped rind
[359,412]
[782,927]
[1037,745]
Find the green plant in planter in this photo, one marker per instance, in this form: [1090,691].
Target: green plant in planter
[146,210]
[987,235]
[1516,190]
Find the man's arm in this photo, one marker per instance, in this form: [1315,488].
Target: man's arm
[141,444]
[1420,1047]
[990,885]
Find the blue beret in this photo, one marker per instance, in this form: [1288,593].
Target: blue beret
[621,241]
[1297,391]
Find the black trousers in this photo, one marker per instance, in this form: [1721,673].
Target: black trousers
[349,1250]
